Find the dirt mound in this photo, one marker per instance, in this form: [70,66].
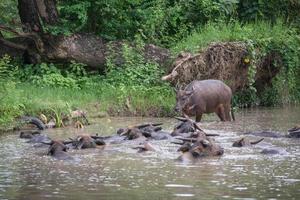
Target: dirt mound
[225,61]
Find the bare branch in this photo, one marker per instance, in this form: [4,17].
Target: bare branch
[35,37]
[12,44]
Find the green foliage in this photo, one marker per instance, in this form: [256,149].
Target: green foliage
[8,69]
[251,10]
[135,70]
[50,75]
[11,105]
[9,12]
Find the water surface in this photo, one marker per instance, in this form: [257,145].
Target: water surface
[118,172]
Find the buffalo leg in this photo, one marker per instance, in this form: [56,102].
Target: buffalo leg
[220,112]
[227,112]
[198,117]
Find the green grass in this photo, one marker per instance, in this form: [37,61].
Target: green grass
[260,32]
[25,99]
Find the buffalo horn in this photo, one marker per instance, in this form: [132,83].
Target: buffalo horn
[181,119]
[48,143]
[179,143]
[157,124]
[143,125]
[258,141]
[188,139]
[67,142]
[211,134]
[197,127]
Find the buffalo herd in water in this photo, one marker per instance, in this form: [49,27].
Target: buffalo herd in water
[194,143]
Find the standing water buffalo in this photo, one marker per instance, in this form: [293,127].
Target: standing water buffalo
[206,96]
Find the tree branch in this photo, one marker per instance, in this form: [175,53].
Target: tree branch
[12,44]
[33,36]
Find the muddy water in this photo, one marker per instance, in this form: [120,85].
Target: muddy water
[118,172]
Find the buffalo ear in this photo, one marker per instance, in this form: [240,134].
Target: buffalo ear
[175,90]
[188,93]
[205,143]
[67,142]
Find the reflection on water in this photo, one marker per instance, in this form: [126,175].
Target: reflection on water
[118,172]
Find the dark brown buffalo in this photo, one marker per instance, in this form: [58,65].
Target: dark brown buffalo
[86,141]
[58,150]
[294,132]
[144,131]
[187,128]
[245,142]
[206,96]
[146,146]
[198,146]
[34,137]
[29,134]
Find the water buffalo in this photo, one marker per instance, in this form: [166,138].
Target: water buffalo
[206,96]
[266,134]
[144,131]
[198,146]
[34,137]
[86,141]
[294,132]
[187,127]
[245,142]
[274,151]
[58,149]
[29,134]
[199,149]
[145,147]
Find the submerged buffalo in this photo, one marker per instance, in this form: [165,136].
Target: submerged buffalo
[58,149]
[187,127]
[29,134]
[144,131]
[86,141]
[294,132]
[206,96]
[245,142]
[146,146]
[34,137]
[266,134]
[197,147]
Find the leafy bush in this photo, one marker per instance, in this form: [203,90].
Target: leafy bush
[135,70]
[50,75]
[8,69]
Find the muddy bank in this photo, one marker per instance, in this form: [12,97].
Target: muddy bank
[226,61]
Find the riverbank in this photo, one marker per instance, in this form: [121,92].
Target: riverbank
[98,100]
[136,89]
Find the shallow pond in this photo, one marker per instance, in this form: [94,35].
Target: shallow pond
[118,172]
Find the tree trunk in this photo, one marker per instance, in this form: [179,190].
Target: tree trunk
[94,51]
[36,46]
[82,48]
[47,11]
[29,16]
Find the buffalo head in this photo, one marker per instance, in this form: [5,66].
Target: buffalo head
[183,101]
